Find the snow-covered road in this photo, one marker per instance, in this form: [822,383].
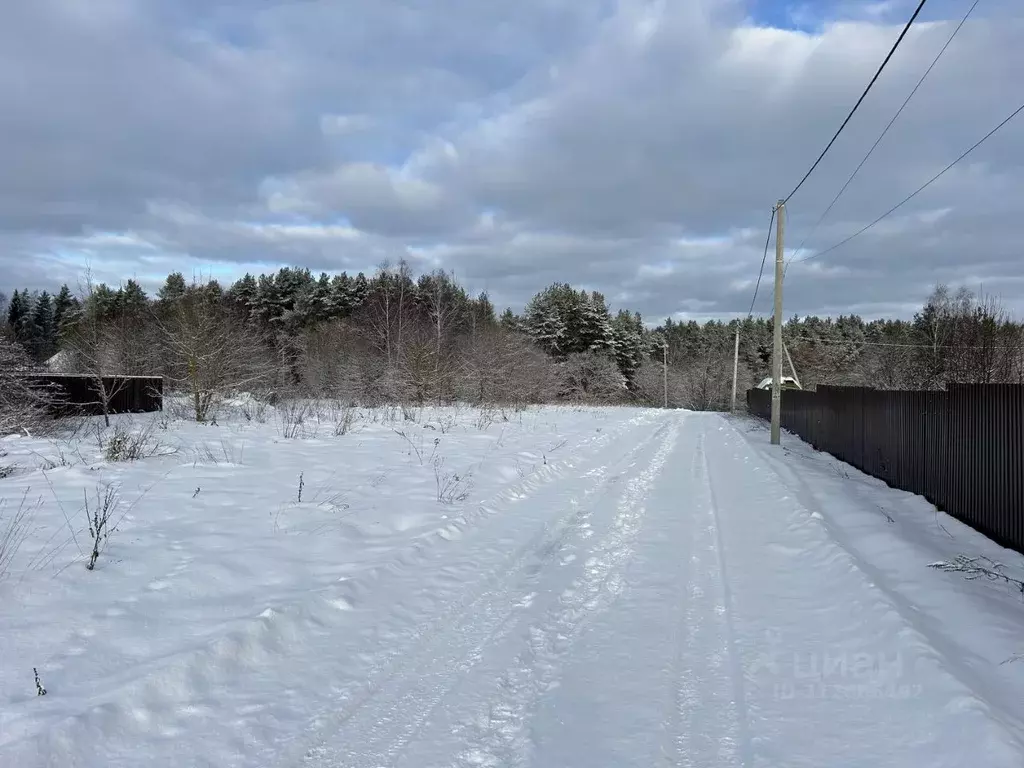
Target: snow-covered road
[676,594]
[673,605]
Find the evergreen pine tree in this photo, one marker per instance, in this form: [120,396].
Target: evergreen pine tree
[360,291]
[104,301]
[213,292]
[596,333]
[628,343]
[320,300]
[16,310]
[173,288]
[62,305]
[546,319]
[483,312]
[43,343]
[510,321]
[24,327]
[265,305]
[340,300]
[242,295]
[132,299]
[280,303]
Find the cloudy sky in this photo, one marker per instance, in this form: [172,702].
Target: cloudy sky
[630,146]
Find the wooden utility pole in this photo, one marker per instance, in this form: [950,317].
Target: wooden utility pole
[780,215]
[735,367]
[664,369]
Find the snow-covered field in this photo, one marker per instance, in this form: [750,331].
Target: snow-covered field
[450,587]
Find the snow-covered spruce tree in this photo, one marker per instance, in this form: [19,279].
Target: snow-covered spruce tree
[544,319]
[43,340]
[629,345]
[359,291]
[313,304]
[512,322]
[595,332]
[64,304]
[20,320]
[563,321]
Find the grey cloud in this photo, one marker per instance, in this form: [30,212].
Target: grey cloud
[104,111]
[644,142]
[514,143]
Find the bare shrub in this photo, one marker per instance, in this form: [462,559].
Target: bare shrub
[255,408]
[416,446]
[23,406]
[98,516]
[344,421]
[203,454]
[485,417]
[980,567]
[211,353]
[292,419]
[649,385]
[445,422]
[324,352]
[506,368]
[451,486]
[230,455]
[14,529]
[591,378]
[124,444]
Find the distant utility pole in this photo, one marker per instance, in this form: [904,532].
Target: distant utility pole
[664,369]
[780,216]
[792,367]
[735,367]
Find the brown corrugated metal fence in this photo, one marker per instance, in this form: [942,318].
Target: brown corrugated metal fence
[77,394]
[962,449]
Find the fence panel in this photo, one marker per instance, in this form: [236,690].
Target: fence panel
[962,449]
[79,394]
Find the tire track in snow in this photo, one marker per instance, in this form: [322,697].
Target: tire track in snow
[710,698]
[248,645]
[407,684]
[500,734]
[686,700]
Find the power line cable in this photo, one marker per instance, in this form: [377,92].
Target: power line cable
[885,61]
[917,191]
[763,260]
[885,131]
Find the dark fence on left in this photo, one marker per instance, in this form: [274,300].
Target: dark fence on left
[77,394]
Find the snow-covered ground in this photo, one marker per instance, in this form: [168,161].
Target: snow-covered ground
[445,587]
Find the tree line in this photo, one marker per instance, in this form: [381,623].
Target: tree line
[395,336]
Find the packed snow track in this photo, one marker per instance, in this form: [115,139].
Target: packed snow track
[674,593]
